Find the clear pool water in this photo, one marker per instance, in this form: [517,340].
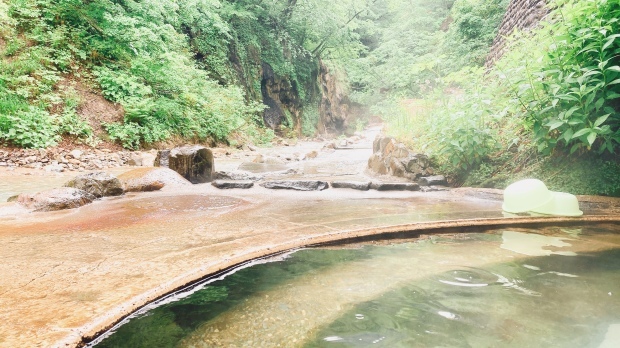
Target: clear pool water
[555,287]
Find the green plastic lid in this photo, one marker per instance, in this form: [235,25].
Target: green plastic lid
[526,195]
[562,204]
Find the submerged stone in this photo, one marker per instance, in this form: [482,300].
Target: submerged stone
[435,180]
[237,175]
[355,185]
[56,199]
[395,186]
[223,184]
[433,188]
[99,184]
[299,185]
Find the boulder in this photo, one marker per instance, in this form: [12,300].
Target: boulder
[98,184]
[393,158]
[435,180]
[151,179]
[355,185]
[299,185]
[376,164]
[56,199]
[224,184]
[395,186]
[194,163]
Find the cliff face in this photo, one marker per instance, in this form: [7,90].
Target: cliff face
[335,106]
[520,15]
[285,106]
[281,97]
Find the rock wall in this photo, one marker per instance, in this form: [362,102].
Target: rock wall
[284,106]
[282,99]
[335,106]
[520,15]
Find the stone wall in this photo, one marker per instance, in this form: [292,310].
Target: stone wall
[520,15]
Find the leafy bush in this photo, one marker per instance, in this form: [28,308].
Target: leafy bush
[571,91]
[30,128]
[120,86]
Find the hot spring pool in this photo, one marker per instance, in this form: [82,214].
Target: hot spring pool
[552,287]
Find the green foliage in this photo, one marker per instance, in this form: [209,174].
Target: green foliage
[29,128]
[549,101]
[69,123]
[168,63]
[119,87]
[399,60]
[309,119]
[570,91]
[471,33]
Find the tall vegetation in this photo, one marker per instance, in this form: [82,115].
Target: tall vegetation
[552,99]
[186,68]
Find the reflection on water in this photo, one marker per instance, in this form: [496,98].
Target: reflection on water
[534,244]
[466,291]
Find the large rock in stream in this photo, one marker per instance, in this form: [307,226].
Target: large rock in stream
[151,179]
[56,199]
[195,163]
[99,184]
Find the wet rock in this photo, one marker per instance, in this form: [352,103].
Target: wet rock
[355,185]
[195,163]
[435,180]
[99,184]
[395,186]
[151,179]
[222,184]
[237,175]
[299,185]
[433,188]
[56,199]
[162,159]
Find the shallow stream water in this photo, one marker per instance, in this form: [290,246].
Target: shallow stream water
[558,287]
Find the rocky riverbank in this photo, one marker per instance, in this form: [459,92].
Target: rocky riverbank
[62,159]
